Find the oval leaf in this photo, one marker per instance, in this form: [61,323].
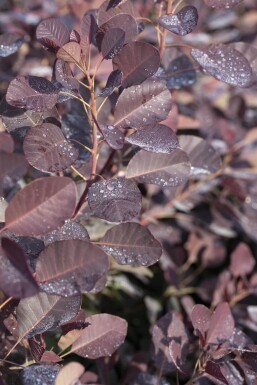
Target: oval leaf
[32,92]
[131,244]
[102,337]
[115,200]
[36,315]
[10,43]
[113,81]
[242,261]
[70,230]
[137,61]
[204,159]
[143,105]
[181,23]
[106,12]
[201,317]
[40,374]
[16,279]
[46,148]
[224,63]
[41,206]
[161,169]
[159,138]
[112,42]
[52,34]
[71,267]
[69,374]
[70,52]
[221,325]
[180,73]
[113,136]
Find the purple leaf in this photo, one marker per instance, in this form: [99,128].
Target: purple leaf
[138,61]
[131,244]
[158,138]
[113,136]
[32,92]
[203,158]
[16,279]
[40,374]
[180,73]
[224,63]
[105,12]
[221,325]
[222,3]
[161,169]
[102,337]
[12,168]
[70,230]
[214,372]
[114,3]
[70,52]
[71,267]
[46,149]
[143,105]
[125,22]
[242,261]
[6,142]
[115,200]
[112,42]
[113,81]
[64,76]
[201,317]
[52,34]
[10,43]
[88,27]
[41,206]
[182,23]
[43,312]
[75,36]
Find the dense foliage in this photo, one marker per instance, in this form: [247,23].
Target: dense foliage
[128,192]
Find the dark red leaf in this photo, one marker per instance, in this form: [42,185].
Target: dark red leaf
[75,36]
[143,105]
[71,267]
[41,206]
[16,279]
[63,75]
[183,22]
[131,244]
[138,61]
[242,261]
[112,42]
[224,63]
[52,34]
[10,43]
[70,52]
[214,371]
[113,136]
[70,230]
[32,92]
[102,337]
[50,356]
[201,317]
[113,81]
[115,200]
[106,12]
[46,149]
[221,325]
[158,138]
[88,27]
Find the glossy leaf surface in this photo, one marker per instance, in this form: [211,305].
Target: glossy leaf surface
[181,23]
[52,34]
[131,244]
[113,136]
[26,213]
[70,230]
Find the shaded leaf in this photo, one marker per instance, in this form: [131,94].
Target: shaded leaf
[16,279]
[224,63]
[10,43]
[46,148]
[143,105]
[149,379]
[158,138]
[113,136]
[181,23]
[70,230]
[106,12]
[242,261]
[102,337]
[12,168]
[115,200]
[6,142]
[114,3]
[70,52]
[41,206]
[69,374]
[32,92]
[88,27]
[112,42]
[71,267]
[40,374]
[52,34]
[63,75]
[122,21]
[204,159]
[131,244]
[137,61]
[113,81]
[214,372]
[180,73]
[161,169]
[43,312]
[221,324]
[222,3]
[50,356]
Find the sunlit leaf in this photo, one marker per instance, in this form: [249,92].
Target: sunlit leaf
[70,230]
[52,34]
[183,22]
[221,324]
[113,136]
